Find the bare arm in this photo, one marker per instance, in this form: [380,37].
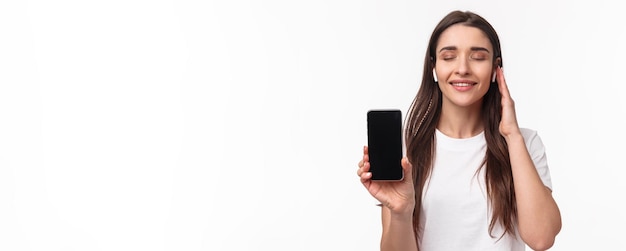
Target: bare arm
[538,214]
[539,218]
[398,231]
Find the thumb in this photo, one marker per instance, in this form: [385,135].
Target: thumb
[408,169]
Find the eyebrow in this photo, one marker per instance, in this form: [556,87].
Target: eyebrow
[453,48]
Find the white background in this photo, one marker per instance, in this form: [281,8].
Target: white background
[238,125]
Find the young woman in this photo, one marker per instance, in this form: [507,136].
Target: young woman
[474,180]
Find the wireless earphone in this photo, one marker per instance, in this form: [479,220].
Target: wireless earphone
[499,65]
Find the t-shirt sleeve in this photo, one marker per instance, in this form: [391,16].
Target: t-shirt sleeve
[537,153]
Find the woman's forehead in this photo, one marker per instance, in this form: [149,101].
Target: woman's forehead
[461,36]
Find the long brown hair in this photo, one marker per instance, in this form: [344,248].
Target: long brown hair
[424,114]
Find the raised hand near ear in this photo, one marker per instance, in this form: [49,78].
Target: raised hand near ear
[508,124]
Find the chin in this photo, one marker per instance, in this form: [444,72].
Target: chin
[466,102]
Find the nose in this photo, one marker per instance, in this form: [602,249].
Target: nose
[463,67]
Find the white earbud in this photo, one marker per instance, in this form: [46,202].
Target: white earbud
[493,78]
[435,75]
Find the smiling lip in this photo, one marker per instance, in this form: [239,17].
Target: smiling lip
[462,85]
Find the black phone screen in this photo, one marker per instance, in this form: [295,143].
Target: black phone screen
[384,136]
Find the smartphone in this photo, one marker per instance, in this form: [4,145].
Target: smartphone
[384,139]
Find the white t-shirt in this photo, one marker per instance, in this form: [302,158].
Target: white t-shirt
[455,209]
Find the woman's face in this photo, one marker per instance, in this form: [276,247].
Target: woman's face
[464,65]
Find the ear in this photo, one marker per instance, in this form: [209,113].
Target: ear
[435,76]
[498,63]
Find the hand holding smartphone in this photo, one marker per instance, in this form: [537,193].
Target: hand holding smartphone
[384,136]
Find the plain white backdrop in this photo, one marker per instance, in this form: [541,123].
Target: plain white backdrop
[238,125]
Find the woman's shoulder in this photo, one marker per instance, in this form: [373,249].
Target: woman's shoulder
[527,132]
[531,136]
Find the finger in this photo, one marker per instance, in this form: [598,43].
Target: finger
[504,89]
[366,167]
[366,156]
[362,161]
[366,177]
[363,168]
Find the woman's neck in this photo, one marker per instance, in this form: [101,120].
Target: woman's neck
[460,122]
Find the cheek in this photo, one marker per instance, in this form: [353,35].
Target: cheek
[484,89]
[444,72]
[487,69]
[442,84]
[483,71]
